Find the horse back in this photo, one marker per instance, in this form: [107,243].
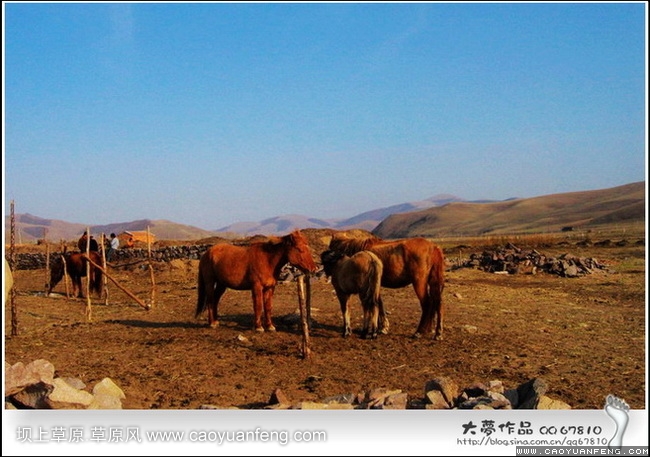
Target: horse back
[236,267]
[405,261]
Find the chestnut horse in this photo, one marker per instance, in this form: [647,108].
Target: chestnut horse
[75,265]
[358,274]
[415,261]
[255,267]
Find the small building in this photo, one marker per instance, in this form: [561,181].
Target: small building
[128,239]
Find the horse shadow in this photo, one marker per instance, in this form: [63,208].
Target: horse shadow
[287,323]
[149,324]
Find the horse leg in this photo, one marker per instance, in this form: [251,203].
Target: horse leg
[437,310]
[77,290]
[424,327]
[370,316]
[383,324]
[345,312]
[374,316]
[365,331]
[268,308]
[213,293]
[258,306]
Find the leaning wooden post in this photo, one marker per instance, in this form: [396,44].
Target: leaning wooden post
[65,276]
[103,239]
[65,270]
[306,350]
[140,302]
[89,312]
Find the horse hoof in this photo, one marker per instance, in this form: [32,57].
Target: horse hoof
[214,324]
[259,329]
[270,328]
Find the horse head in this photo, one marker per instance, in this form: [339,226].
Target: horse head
[298,252]
[329,258]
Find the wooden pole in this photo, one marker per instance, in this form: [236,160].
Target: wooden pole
[306,350]
[89,311]
[12,266]
[153,280]
[47,260]
[66,278]
[104,265]
[308,298]
[140,302]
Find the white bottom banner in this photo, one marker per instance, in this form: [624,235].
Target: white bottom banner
[301,432]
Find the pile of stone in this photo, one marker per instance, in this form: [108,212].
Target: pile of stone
[35,386]
[513,260]
[439,393]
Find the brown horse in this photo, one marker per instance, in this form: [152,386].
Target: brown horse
[255,267]
[75,265]
[415,261]
[358,274]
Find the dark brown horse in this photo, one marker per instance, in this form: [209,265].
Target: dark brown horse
[415,261]
[75,265]
[255,267]
[358,274]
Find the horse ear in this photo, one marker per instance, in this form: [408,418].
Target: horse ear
[294,237]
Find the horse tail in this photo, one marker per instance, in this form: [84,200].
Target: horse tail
[97,284]
[200,304]
[375,272]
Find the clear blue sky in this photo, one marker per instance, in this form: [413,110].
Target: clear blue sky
[209,114]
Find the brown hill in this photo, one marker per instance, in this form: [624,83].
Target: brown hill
[549,213]
[30,228]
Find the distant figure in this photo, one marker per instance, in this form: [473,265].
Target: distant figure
[130,243]
[115,244]
[84,239]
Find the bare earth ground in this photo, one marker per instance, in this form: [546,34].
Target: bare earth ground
[585,336]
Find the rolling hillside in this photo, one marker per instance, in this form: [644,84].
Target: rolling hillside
[580,210]
[30,228]
[442,215]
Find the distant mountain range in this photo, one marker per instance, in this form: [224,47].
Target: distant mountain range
[367,220]
[440,215]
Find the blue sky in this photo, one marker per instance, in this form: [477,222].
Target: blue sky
[209,114]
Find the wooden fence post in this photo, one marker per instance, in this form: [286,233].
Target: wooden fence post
[89,311]
[153,279]
[306,349]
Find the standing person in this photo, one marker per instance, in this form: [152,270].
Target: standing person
[115,244]
[84,239]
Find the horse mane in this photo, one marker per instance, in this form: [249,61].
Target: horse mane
[269,240]
[352,245]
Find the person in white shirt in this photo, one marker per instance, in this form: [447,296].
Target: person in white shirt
[115,244]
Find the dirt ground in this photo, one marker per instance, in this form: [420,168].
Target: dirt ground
[585,336]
